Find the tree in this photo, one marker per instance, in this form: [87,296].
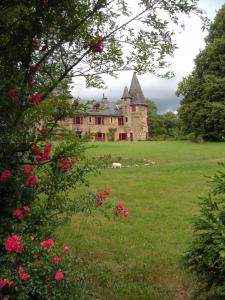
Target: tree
[203,104]
[43,44]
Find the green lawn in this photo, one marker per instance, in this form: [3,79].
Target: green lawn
[139,257]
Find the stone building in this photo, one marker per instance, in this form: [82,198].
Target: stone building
[111,122]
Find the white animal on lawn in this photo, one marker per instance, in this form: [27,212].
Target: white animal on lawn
[116,165]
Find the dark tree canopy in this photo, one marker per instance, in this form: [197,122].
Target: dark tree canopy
[203,105]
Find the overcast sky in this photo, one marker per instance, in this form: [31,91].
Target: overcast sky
[162,91]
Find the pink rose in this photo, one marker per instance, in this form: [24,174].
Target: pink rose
[126,213]
[19,214]
[119,205]
[34,98]
[14,243]
[21,269]
[65,166]
[11,93]
[99,202]
[24,276]
[66,249]
[27,170]
[3,283]
[59,275]
[48,243]
[5,175]
[26,208]
[56,260]
[11,283]
[31,180]
[35,150]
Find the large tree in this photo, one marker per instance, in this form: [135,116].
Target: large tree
[203,91]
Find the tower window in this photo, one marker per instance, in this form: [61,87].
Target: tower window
[126,119]
[133,108]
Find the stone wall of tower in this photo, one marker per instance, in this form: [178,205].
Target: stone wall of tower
[139,125]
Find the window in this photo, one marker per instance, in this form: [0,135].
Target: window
[100,136]
[90,119]
[78,120]
[126,119]
[122,136]
[133,108]
[120,121]
[99,121]
[111,120]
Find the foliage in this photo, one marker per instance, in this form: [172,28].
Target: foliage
[206,253]
[163,126]
[203,105]
[43,44]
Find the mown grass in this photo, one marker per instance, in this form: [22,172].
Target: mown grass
[139,257]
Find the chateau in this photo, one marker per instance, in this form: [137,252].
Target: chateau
[110,122]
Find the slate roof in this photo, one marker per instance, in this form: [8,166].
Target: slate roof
[136,92]
[126,93]
[110,109]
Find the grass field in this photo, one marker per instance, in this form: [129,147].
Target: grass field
[139,257]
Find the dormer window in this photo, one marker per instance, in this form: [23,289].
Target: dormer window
[96,106]
[133,108]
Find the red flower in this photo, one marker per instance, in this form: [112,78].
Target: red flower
[65,166]
[3,283]
[24,276]
[11,283]
[5,175]
[97,42]
[107,191]
[66,249]
[59,275]
[56,260]
[35,149]
[48,243]
[31,180]
[126,213]
[14,243]
[73,161]
[101,195]
[44,131]
[99,202]
[119,205]
[34,98]
[26,208]
[21,269]
[11,93]
[19,213]
[27,170]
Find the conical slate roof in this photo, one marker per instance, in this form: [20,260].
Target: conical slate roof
[126,93]
[136,92]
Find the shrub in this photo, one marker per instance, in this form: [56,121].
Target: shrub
[206,254]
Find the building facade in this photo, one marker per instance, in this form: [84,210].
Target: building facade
[111,122]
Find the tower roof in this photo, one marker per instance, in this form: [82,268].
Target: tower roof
[126,93]
[136,92]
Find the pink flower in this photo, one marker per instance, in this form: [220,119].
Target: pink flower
[19,214]
[5,175]
[126,213]
[34,98]
[3,283]
[35,149]
[65,166]
[48,243]
[21,269]
[119,205]
[26,208]
[39,158]
[56,260]
[99,202]
[59,275]
[73,161]
[107,191]
[24,276]
[66,249]
[27,170]
[14,243]
[11,283]
[11,93]
[31,180]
